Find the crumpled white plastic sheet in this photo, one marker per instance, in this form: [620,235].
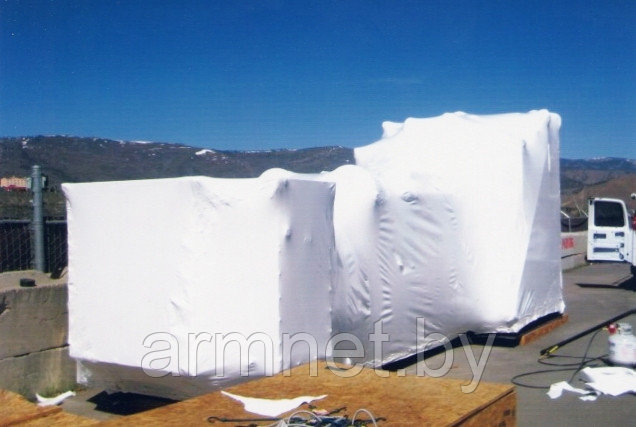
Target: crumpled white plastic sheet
[613,381]
[271,407]
[55,400]
[557,389]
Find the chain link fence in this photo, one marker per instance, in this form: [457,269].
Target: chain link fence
[16,245]
[55,246]
[32,234]
[570,224]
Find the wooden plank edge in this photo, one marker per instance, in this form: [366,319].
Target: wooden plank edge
[500,412]
[543,329]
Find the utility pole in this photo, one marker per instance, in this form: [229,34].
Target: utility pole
[38,218]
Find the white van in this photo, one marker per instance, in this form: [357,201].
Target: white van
[611,235]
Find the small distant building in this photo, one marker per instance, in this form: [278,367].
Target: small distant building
[13,183]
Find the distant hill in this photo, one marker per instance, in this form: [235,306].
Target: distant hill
[75,159]
[80,159]
[618,188]
[601,177]
[578,174]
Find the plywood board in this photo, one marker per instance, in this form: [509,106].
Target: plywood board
[401,400]
[17,411]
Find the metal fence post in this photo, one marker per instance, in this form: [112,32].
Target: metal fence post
[38,218]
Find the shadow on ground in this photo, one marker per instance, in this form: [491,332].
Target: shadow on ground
[628,284]
[127,403]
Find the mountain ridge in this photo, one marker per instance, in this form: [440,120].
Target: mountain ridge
[83,159]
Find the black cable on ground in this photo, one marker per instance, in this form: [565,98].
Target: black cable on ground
[547,353]
[587,349]
[515,379]
[549,350]
[545,361]
[576,367]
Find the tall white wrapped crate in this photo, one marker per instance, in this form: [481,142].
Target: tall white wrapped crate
[491,184]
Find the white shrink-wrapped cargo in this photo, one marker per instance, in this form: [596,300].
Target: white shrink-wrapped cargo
[469,233]
[173,281]
[446,225]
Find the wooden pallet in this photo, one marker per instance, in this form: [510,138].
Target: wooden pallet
[401,400]
[528,334]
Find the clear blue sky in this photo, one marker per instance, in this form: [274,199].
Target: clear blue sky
[290,74]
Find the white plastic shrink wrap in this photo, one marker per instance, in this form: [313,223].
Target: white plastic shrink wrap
[468,228]
[446,225]
[172,275]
